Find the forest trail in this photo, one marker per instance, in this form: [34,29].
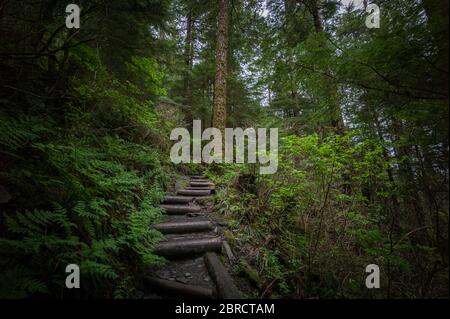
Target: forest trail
[343,128]
[192,246]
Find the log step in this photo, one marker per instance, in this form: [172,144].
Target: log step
[180,209]
[198,177]
[184,227]
[201,184]
[210,189]
[188,247]
[199,188]
[193,215]
[179,289]
[190,192]
[226,289]
[200,180]
[178,199]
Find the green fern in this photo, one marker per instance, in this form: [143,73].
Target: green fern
[15,133]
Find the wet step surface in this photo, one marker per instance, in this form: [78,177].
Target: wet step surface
[185,246]
[181,208]
[194,192]
[178,200]
[189,226]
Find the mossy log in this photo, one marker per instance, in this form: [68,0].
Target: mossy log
[226,288]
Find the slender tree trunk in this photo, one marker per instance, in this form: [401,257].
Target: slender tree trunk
[413,203]
[437,13]
[188,55]
[188,60]
[314,7]
[336,119]
[220,83]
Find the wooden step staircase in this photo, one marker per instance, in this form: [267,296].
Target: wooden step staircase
[192,248]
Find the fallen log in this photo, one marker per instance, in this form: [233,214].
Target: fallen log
[196,192]
[228,251]
[180,209]
[226,289]
[178,199]
[184,227]
[186,247]
[179,289]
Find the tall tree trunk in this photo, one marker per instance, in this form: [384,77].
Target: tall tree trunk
[407,177]
[188,56]
[335,112]
[188,60]
[220,83]
[314,7]
[437,13]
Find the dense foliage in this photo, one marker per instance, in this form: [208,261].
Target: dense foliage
[82,147]
[373,193]
[86,114]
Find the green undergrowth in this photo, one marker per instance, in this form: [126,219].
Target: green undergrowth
[76,198]
[84,180]
[310,230]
